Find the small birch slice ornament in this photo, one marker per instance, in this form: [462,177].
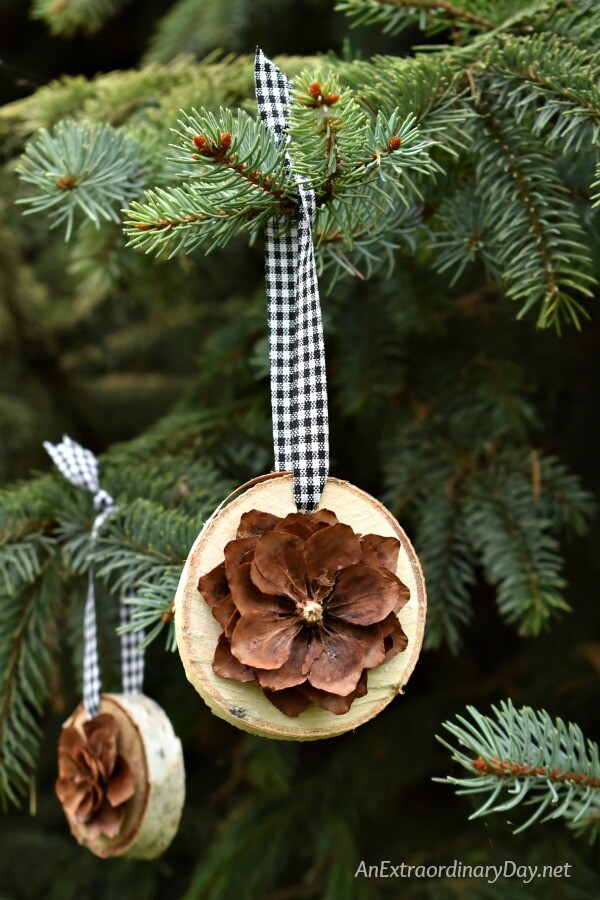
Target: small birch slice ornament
[148,771]
[361,532]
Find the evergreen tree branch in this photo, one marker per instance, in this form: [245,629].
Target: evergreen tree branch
[480,498]
[537,239]
[520,555]
[523,757]
[66,17]
[554,82]
[396,15]
[198,26]
[27,637]
[85,170]
[449,560]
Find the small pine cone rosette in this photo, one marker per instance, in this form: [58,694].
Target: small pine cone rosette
[294,626]
[94,780]
[307,607]
[121,780]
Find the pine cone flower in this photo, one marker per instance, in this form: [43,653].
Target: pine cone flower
[307,607]
[94,781]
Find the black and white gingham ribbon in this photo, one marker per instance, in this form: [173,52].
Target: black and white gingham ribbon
[296,348]
[80,467]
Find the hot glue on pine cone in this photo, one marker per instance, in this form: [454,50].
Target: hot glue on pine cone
[94,781]
[307,607]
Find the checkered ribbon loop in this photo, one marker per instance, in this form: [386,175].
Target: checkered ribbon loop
[80,467]
[296,347]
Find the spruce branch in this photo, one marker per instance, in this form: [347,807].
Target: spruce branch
[235,177]
[27,638]
[363,242]
[577,23]
[554,83]
[20,561]
[81,170]
[461,233]
[30,508]
[517,757]
[537,239]
[181,219]
[66,17]
[596,188]
[449,560]
[152,606]
[520,554]
[139,554]
[198,26]
[328,130]
[231,156]
[396,15]
[480,498]
[235,180]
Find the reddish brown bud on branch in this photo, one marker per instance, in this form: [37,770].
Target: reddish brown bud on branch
[168,614]
[225,140]
[314,89]
[67,182]
[199,142]
[330,99]
[394,143]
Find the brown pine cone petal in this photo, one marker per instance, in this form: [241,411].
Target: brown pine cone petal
[250,601]
[339,667]
[325,553]
[278,565]
[332,702]
[370,638]
[235,551]
[101,733]
[297,524]
[69,794]
[107,821]
[404,594]
[224,610]
[322,518]
[254,523]
[226,665]
[264,642]
[394,640]
[380,552]
[291,702]
[89,803]
[71,742]
[121,786]
[292,672]
[363,596]
[213,586]
[67,767]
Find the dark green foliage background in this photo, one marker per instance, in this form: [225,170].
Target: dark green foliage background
[267,820]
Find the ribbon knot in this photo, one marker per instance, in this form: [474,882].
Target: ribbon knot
[80,467]
[296,347]
[103,502]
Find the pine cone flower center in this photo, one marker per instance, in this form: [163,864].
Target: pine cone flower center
[311,612]
[307,607]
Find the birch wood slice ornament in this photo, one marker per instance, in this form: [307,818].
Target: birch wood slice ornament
[244,704]
[153,756]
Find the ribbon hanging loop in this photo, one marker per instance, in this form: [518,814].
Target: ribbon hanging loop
[80,467]
[296,346]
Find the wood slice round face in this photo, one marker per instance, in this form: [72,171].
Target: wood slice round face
[131,747]
[244,704]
